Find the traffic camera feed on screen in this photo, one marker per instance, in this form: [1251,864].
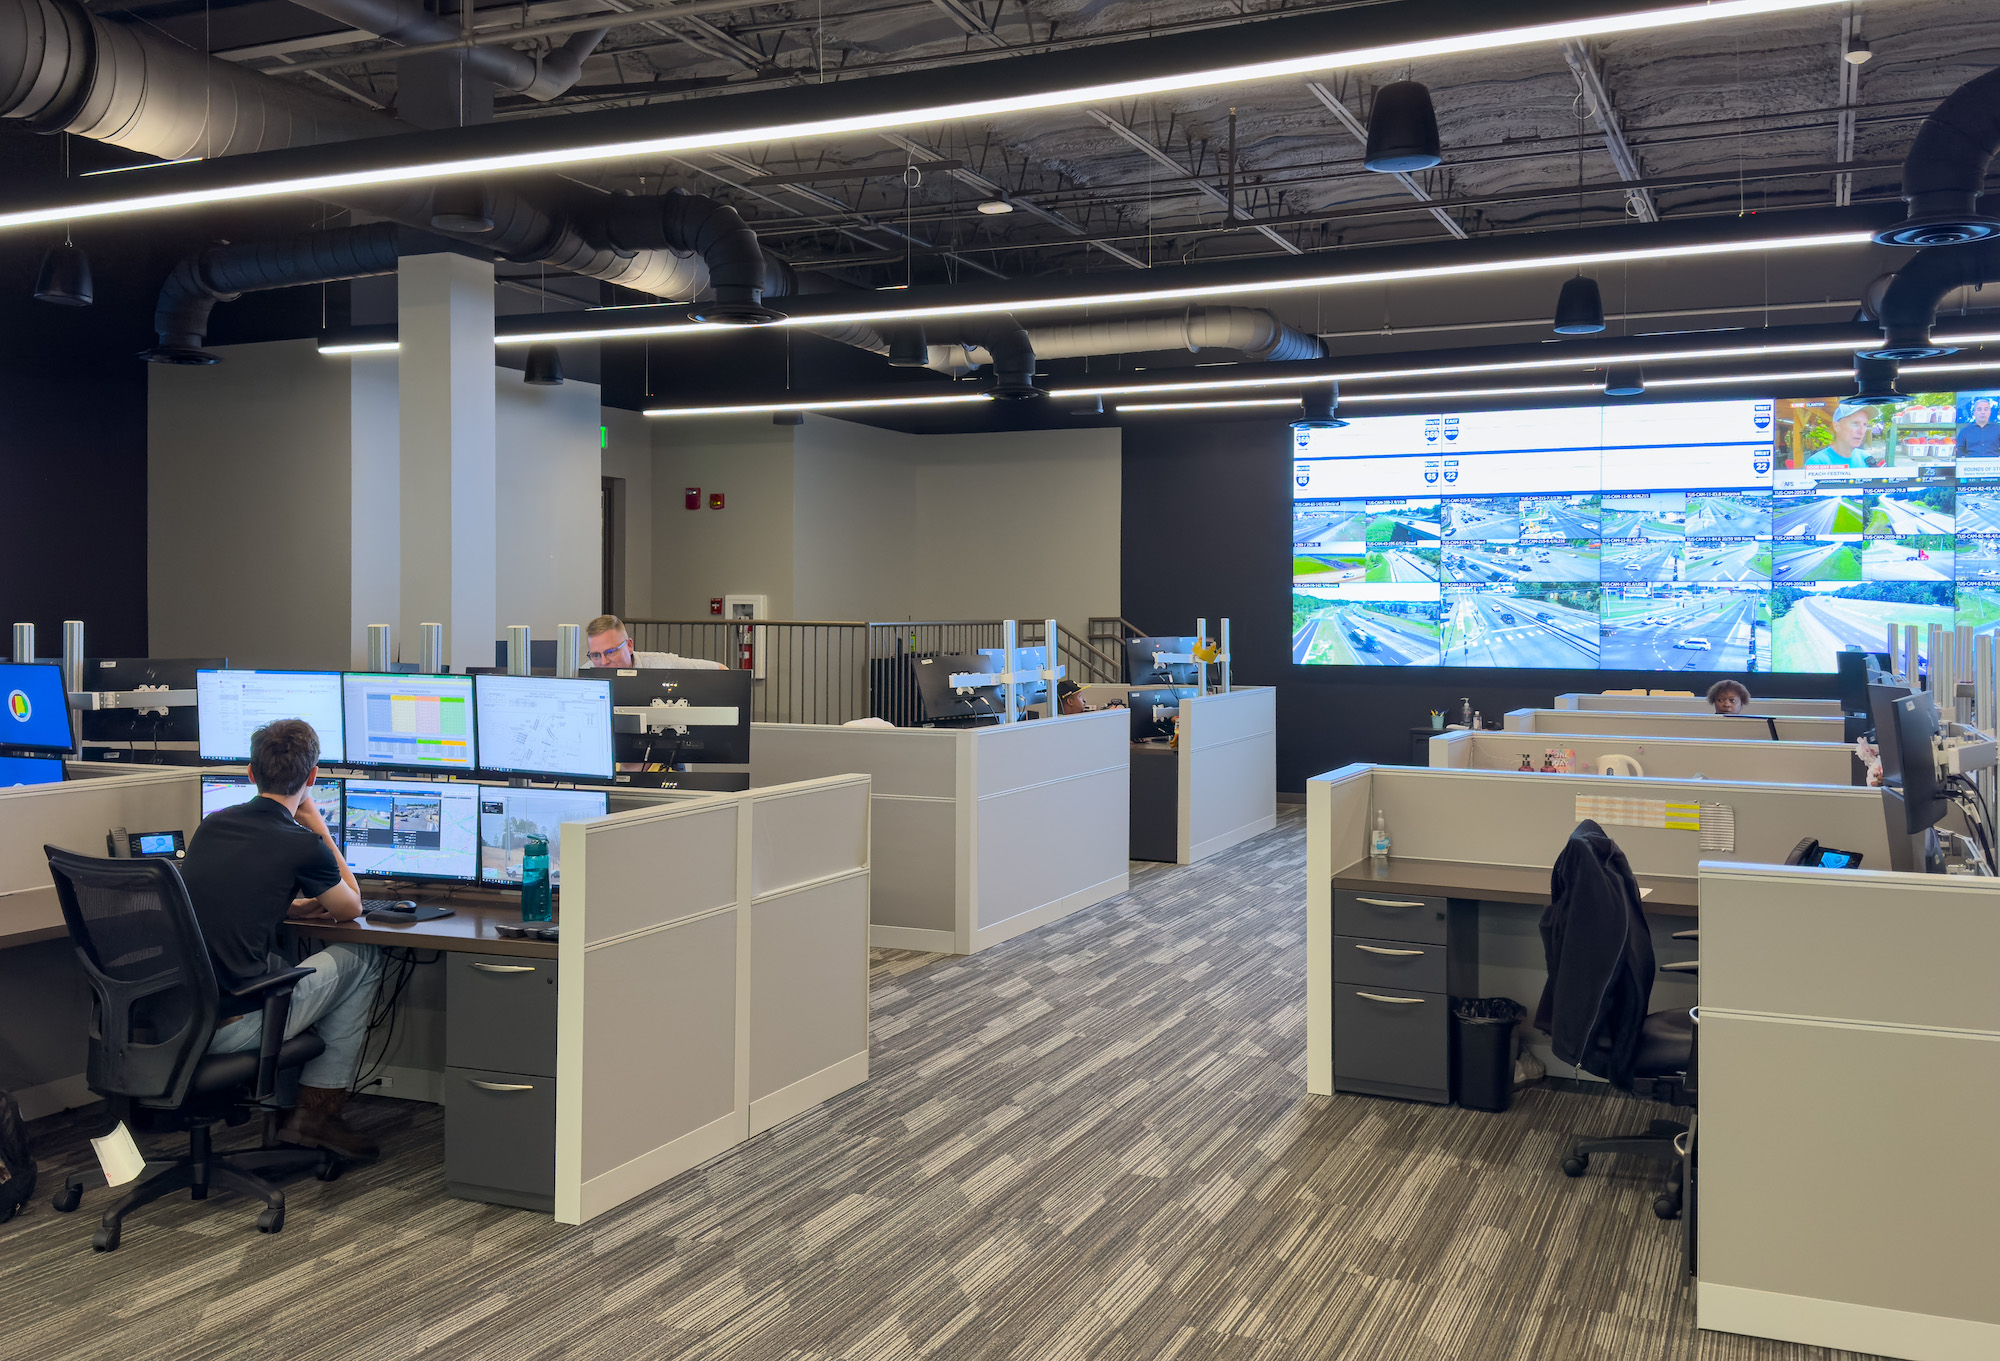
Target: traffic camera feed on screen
[1750,535]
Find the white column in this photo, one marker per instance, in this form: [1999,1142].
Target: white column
[446,423]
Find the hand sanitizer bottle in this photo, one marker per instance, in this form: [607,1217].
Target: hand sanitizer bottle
[1378,840]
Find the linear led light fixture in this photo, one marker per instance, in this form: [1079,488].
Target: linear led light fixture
[1347,398]
[844,404]
[1317,63]
[362,347]
[1565,361]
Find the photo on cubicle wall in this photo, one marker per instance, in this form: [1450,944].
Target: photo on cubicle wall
[1751,535]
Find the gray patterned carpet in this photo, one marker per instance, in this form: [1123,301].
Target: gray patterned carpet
[1091,1142]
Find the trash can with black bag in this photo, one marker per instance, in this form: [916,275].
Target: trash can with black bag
[1484,1051]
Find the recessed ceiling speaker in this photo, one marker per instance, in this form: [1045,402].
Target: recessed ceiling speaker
[65,278]
[1624,380]
[544,367]
[1858,52]
[1321,407]
[996,207]
[1579,309]
[1402,130]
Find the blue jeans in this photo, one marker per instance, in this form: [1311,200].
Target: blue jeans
[333,1003]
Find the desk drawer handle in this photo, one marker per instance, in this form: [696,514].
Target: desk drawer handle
[1384,902]
[503,968]
[1378,997]
[501,1086]
[1378,950]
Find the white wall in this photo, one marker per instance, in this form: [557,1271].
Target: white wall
[548,507]
[884,525]
[628,454]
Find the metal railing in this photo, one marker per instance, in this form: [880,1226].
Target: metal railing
[1107,636]
[808,671]
[892,683]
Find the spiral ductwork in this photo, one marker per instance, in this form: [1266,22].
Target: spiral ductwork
[408,23]
[1944,173]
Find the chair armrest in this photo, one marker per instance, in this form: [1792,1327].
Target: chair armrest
[1682,966]
[276,990]
[1688,935]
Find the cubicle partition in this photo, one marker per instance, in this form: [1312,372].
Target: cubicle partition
[1228,771]
[1658,757]
[1619,723]
[714,961]
[1849,1178]
[1693,704]
[1490,838]
[979,833]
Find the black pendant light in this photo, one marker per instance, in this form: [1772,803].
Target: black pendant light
[908,348]
[65,277]
[1579,309]
[1624,380]
[1875,381]
[544,367]
[1321,407]
[461,206]
[1402,130]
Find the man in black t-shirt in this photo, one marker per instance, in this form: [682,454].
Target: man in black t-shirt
[248,868]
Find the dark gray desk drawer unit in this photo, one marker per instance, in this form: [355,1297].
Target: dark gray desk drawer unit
[499,1080]
[1398,961]
[500,1013]
[500,1138]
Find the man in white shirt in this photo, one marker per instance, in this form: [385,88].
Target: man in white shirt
[609,645]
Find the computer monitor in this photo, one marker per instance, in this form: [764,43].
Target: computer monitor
[1154,712]
[412,829]
[34,710]
[234,704]
[1851,672]
[1025,659]
[544,725]
[1916,723]
[409,722]
[946,705]
[144,673]
[1882,715]
[20,770]
[508,817]
[666,717]
[226,791]
[1141,668]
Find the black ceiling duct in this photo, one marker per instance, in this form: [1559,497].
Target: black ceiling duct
[1402,130]
[1875,381]
[65,277]
[1909,305]
[682,221]
[1579,309]
[1945,172]
[1321,408]
[461,206]
[544,367]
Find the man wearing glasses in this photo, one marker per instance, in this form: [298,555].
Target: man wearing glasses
[607,644]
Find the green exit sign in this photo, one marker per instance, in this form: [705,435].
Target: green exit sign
[604,437]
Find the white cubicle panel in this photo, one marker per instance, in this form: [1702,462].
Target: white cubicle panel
[1659,757]
[979,834]
[1613,723]
[1850,1087]
[76,815]
[705,970]
[1228,770]
[1694,704]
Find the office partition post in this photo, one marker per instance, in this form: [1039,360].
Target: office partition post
[381,655]
[1200,667]
[72,675]
[1053,670]
[430,649]
[24,643]
[569,649]
[518,648]
[1934,649]
[1010,636]
[1910,655]
[1222,662]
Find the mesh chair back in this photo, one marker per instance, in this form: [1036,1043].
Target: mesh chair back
[153,987]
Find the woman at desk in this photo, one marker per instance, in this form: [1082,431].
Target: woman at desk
[1728,697]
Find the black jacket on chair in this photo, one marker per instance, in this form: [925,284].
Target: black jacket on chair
[1600,958]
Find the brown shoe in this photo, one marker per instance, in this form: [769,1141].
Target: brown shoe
[316,1123]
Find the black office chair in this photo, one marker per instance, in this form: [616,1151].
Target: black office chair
[155,1007]
[1658,1063]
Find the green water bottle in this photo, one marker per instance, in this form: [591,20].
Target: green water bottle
[535,904]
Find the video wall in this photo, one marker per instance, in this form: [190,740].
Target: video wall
[1743,536]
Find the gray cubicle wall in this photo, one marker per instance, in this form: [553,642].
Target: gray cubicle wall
[1228,770]
[44,1003]
[1850,1090]
[1614,723]
[1694,704]
[1660,757]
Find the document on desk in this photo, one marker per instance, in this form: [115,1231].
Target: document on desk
[1714,822]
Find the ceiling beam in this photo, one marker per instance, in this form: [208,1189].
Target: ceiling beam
[1338,108]
[1583,61]
[1208,190]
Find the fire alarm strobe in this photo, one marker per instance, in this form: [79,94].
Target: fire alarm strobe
[715,500]
[715,604]
[694,498]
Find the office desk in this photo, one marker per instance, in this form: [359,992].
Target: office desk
[1217,787]
[471,929]
[1668,895]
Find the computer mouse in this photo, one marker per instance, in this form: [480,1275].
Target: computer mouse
[403,905]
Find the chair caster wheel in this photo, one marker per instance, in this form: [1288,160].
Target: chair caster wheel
[271,1221]
[328,1171]
[105,1239]
[1576,1164]
[1667,1206]
[66,1200]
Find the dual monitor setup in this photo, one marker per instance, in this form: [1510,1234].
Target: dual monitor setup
[946,705]
[1907,727]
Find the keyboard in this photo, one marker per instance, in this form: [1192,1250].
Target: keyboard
[384,904]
